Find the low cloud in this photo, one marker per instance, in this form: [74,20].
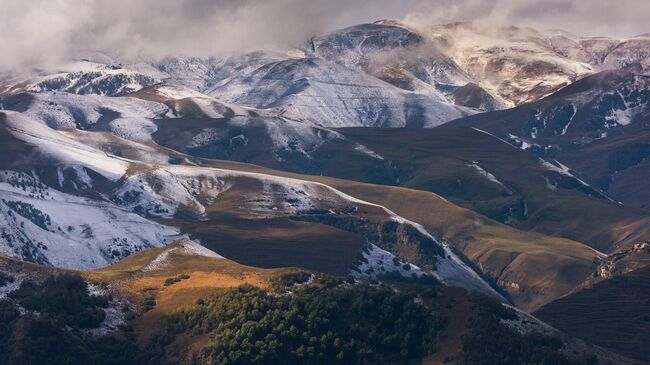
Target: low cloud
[36,33]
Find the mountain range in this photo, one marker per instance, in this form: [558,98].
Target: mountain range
[503,167]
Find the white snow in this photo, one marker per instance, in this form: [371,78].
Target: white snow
[365,150]
[192,248]
[482,172]
[131,118]
[10,287]
[566,127]
[622,117]
[450,269]
[330,94]
[560,169]
[62,148]
[115,315]
[377,262]
[522,144]
[178,92]
[97,232]
[184,247]
[525,323]
[82,77]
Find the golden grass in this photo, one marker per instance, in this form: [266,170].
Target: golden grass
[207,276]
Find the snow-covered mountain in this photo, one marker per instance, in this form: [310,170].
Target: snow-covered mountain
[126,136]
[67,202]
[520,65]
[523,65]
[326,93]
[403,58]
[385,74]
[80,77]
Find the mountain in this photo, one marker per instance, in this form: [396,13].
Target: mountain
[404,58]
[239,210]
[327,93]
[518,64]
[80,77]
[523,65]
[510,186]
[596,126]
[460,174]
[41,227]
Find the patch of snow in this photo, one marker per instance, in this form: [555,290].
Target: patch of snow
[622,117]
[450,269]
[177,92]
[560,169]
[114,312]
[376,262]
[186,247]
[365,150]
[551,185]
[10,287]
[566,127]
[487,175]
[526,324]
[193,248]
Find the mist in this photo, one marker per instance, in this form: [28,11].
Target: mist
[38,33]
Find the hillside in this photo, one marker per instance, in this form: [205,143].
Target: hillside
[597,127]
[618,305]
[140,296]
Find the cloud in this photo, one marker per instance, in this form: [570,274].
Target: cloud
[41,32]
[620,18]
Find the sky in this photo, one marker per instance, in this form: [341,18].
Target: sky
[35,33]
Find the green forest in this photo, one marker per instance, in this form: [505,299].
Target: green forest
[299,320]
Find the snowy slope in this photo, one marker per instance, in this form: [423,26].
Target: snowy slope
[41,224]
[105,228]
[332,95]
[126,117]
[519,64]
[81,77]
[61,149]
[400,56]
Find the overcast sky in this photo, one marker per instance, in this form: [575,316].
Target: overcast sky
[36,32]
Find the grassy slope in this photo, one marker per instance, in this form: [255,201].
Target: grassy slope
[614,314]
[534,268]
[278,243]
[207,276]
[436,160]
